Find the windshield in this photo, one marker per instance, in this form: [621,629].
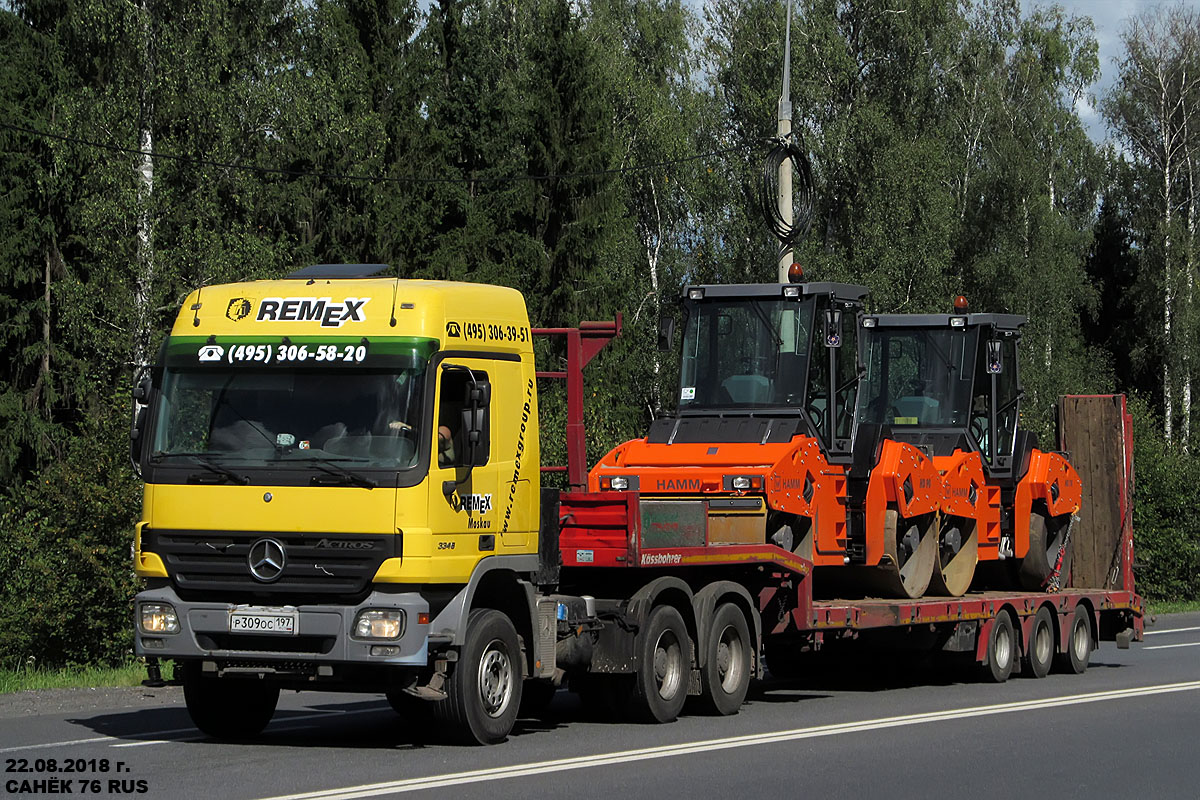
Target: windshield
[917,376]
[746,354]
[250,413]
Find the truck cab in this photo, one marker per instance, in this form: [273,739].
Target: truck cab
[340,470]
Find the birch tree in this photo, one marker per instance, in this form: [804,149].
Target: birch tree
[1153,108]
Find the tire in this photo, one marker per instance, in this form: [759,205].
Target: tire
[225,708]
[1047,541]
[1001,649]
[725,676]
[1078,652]
[661,682]
[483,692]
[1040,649]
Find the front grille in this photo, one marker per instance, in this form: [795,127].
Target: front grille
[210,563]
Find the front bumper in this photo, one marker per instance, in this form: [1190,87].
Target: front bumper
[323,633]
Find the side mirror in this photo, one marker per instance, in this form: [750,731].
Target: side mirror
[994,360]
[477,423]
[142,389]
[666,332]
[833,328]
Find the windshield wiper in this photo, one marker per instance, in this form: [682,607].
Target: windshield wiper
[328,466]
[219,470]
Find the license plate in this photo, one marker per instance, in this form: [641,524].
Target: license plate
[263,621]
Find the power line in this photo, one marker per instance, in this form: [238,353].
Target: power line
[328,176]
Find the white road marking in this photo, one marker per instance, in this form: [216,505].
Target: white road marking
[283,722]
[1168,646]
[1172,630]
[691,748]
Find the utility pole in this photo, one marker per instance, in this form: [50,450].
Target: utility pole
[784,131]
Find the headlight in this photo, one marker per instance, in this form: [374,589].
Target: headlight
[741,482]
[620,484]
[379,623]
[158,618]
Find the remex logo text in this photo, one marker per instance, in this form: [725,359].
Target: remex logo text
[312,309]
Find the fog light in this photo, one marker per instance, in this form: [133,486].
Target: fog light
[385,650]
[379,623]
[741,483]
[159,618]
[153,644]
[620,484]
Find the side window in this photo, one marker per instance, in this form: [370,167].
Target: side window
[981,402]
[847,378]
[1006,420]
[451,446]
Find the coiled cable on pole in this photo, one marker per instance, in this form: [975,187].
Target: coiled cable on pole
[788,232]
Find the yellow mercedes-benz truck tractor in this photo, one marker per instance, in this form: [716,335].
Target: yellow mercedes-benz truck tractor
[342,491]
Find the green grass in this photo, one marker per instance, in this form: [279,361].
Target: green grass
[17,680]
[1172,606]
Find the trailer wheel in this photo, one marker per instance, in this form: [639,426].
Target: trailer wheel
[1079,644]
[662,675]
[1001,649]
[228,709]
[1049,555]
[483,693]
[725,678]
[1039,652]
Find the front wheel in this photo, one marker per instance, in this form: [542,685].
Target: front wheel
[483,693]
[227,708]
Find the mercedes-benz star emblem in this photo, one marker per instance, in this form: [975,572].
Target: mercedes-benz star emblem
[266,559]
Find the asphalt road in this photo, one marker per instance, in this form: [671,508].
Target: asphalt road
[1129,726]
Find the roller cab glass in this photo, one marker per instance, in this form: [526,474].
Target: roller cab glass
[360,406]
[919,377]
[745,354]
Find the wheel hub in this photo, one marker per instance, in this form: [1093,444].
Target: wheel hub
[495,680]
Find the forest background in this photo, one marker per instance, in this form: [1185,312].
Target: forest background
[596,155]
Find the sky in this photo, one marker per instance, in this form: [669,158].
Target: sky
[1109,17]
